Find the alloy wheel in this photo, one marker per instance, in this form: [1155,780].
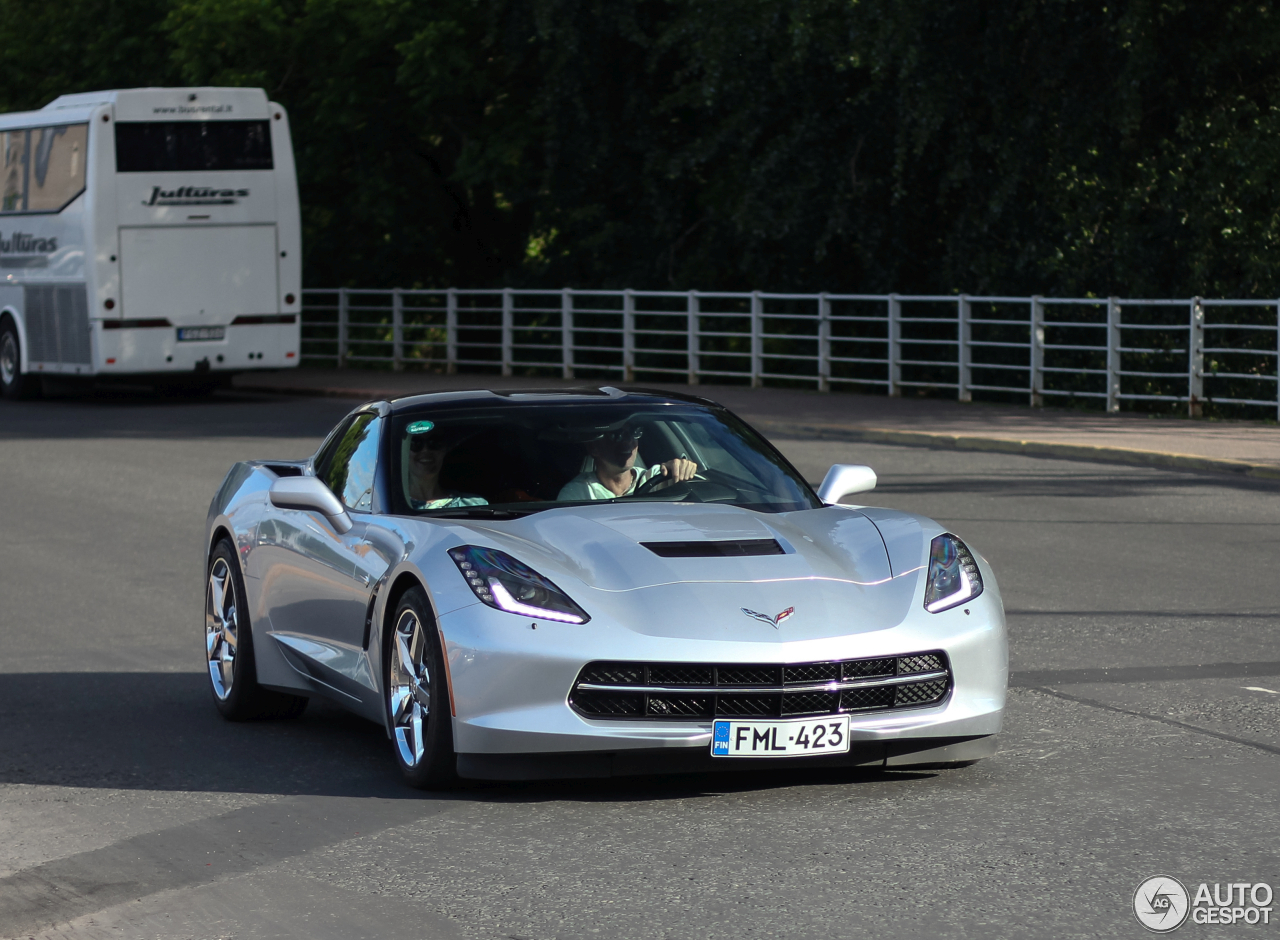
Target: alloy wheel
[409,691]
[220,628]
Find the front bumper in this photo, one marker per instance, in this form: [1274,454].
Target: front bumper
[874,755]
[511,679]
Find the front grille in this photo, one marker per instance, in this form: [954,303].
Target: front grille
[701,691]
[810,703]
[920,692]
[868,668]
[681,706]
[748,675]
[680,675]
[859,700]
[924,662]
[811,672]
[613,674]
[748,706]
[609,705]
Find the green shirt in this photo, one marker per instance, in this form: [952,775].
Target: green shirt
[588,486]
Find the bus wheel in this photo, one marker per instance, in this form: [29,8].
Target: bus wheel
[13,384]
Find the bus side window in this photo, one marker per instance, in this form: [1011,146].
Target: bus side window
[44,168]
[13,198]
[57,166]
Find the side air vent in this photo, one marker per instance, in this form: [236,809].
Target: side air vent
[283,469]
[721,549]
[57,323]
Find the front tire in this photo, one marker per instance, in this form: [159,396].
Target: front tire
[13,384]
[228,640]
[417,696]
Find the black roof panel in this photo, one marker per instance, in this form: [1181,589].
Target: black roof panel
[463,398]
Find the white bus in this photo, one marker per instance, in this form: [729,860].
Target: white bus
[151,233]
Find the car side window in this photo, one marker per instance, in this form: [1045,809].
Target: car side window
[349,472]
[324,456]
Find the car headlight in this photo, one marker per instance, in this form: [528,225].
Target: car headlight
[953,575]
[506,584]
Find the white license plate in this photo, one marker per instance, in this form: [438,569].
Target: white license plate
[790,738]
[201,334]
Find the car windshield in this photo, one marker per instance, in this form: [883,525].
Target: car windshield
[505,461]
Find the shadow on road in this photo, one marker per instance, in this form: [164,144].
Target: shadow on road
[159,731]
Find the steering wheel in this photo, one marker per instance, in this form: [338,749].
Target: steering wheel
[678,489]
[651,484]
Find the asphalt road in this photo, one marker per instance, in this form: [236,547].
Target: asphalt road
[1142,735]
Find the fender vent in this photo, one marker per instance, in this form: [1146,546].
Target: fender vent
[720,549]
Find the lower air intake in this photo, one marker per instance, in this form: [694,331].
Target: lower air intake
[701,691]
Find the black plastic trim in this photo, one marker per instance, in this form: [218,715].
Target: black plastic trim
[728,548]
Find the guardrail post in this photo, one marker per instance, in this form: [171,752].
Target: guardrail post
[397,331]
[1113,354]
[566,333]
[1037,352]
[964,336]
[824,342]
[895,346]
[508,328]
[343,315]
[628,336]
[693,348]
[757,339]
[1195,361]
[451,332]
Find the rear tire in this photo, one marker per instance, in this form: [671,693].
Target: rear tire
[233,678]
[416,693]
[13,384]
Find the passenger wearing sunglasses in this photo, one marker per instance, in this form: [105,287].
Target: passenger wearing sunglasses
[426,459]
[615,473]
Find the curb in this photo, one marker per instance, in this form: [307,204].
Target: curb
[1089,452]
[937,441]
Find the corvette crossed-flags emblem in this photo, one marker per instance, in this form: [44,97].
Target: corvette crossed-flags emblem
[765,618]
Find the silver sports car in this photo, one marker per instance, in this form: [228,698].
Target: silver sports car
[595,582]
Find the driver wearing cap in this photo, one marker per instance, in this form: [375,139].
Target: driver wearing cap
[615,472]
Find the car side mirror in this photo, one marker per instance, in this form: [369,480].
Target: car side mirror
[310,495]
[845,478]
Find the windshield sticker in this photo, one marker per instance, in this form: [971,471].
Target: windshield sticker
[420,427]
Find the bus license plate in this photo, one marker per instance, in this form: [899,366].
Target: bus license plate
[788,738]
[198,334]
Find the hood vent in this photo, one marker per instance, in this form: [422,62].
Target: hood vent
[733,548]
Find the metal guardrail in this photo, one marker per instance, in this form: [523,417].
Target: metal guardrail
[1046,348]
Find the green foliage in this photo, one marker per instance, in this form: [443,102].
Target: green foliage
[53,48]
[1009,146]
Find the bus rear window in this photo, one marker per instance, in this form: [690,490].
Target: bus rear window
[181,146]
